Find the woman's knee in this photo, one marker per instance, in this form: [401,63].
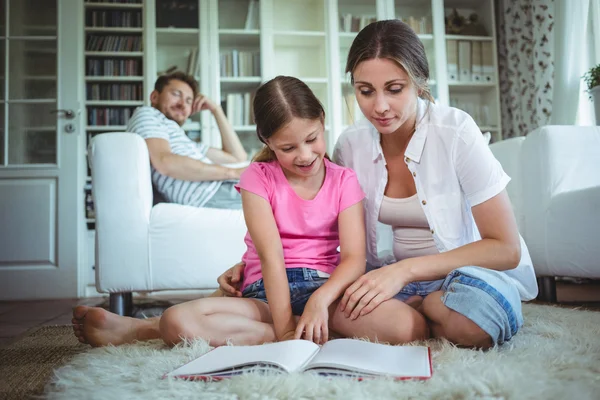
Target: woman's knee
[461,331]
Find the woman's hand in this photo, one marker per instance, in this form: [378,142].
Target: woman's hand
[313,325]
[230,280]
[372,289]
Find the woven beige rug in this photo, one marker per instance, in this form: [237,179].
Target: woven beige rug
[555,356]
[27,364]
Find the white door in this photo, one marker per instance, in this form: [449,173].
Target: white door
[41,148]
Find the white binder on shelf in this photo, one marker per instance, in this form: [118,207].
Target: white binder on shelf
[487,60]
[464,61]
[476,62]
[452,56]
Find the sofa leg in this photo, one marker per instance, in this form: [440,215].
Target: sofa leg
[121,303]
[547,285]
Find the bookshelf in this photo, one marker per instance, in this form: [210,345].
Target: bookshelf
[232,46]
[114,72]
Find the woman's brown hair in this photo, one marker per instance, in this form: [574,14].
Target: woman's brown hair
[394,40]
[276,103]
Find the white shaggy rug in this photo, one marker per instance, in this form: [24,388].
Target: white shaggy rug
[555,356]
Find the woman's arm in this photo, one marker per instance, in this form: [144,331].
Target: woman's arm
[351,225]
[498,249]
[265,236]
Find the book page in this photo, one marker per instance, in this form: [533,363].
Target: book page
[373,358]
[290,355]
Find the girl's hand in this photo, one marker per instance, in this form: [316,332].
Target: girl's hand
[290,335]
[372,289]
[313,325]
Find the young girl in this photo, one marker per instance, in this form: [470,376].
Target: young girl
[299,208]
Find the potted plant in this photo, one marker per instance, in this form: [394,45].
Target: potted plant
[592,80]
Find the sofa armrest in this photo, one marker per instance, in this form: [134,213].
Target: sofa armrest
[560,181]
[122,193]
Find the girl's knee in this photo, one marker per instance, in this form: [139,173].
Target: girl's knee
[172,326]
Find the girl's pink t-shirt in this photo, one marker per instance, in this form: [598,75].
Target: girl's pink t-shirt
[308,228]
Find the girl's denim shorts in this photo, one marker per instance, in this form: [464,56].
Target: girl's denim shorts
[303,282]
[483,295]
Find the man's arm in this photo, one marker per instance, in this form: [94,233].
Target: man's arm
[186,168]
[232,151]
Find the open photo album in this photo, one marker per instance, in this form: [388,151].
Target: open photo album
[339,357]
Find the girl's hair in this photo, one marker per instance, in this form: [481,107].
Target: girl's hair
[276,103]
[396,41]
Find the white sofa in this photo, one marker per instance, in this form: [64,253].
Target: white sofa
[140,247]
[555,191]
[143,247]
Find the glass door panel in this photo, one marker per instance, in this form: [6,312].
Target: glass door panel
[32,69]
[28,89]
[32,133]
[23,22]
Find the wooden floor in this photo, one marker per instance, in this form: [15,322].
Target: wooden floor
[16,318]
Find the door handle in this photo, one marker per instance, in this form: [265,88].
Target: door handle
[69,114]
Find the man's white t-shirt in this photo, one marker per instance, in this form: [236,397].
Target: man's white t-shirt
[148,122]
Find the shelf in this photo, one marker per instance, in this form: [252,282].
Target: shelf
[310,81]
[113,5]
[245,128]
[299,38]
[242,83]
[112,29]
[114,102]
[177,36]
[114,53]
[425,36]
[471,38]
[105,128]
[469,87]
[239,38]
[114,78]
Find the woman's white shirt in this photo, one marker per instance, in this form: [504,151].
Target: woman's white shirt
[453,169]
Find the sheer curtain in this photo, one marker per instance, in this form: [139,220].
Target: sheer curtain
[574,54]
[591,57]
[545,47]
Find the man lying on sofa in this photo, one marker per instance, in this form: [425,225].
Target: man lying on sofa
[183,171]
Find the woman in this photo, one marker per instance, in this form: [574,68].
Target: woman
[443,248]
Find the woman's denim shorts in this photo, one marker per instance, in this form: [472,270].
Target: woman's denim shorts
[303,282]
[483,295]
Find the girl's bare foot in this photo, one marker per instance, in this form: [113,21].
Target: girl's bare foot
[98,327]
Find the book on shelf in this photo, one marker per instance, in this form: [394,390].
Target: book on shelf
[339,357]
[193,65]
[252,18]
[355,23]
[476,63]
